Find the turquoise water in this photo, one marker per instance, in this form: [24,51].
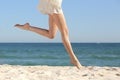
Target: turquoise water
[54,54]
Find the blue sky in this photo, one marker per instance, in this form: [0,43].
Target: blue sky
[87,20]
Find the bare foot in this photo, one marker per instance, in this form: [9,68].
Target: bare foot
[76,63]
[24,27]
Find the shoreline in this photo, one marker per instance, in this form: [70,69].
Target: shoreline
[44,72]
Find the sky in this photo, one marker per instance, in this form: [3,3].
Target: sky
[87,20]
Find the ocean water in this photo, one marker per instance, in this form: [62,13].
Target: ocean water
[54,54]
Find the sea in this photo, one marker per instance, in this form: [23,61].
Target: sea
[54,54]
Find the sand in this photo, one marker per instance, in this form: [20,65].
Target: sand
[16,72]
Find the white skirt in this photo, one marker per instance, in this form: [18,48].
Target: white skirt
[50,6]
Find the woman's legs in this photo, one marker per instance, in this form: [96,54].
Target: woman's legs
[61,23]
[47,33]
[55,21]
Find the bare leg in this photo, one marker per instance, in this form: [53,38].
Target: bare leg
[47,33]
[61,23]
[55,21]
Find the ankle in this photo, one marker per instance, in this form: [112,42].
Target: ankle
[30,28]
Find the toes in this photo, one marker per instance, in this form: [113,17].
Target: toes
[17,25]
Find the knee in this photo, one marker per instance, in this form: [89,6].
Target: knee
[51,36]
[65,33]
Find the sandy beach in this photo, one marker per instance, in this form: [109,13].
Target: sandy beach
[16,72]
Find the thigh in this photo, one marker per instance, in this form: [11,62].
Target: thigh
[61,23]
[52,26]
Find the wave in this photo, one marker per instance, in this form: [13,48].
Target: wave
[105,57]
